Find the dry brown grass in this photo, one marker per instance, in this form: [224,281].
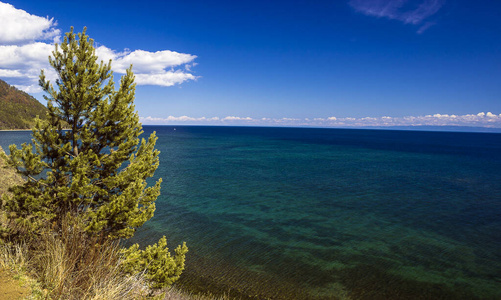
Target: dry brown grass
[72,268]
[75,266]
[60,270]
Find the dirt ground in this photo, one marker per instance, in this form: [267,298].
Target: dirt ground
[11,289]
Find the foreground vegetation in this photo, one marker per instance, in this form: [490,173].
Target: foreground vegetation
[60,266]
[73,195]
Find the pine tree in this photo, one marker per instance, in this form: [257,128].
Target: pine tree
[86,162]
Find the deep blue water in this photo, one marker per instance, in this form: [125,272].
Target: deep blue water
[300,213]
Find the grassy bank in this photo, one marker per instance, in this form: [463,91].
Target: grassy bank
[48,275]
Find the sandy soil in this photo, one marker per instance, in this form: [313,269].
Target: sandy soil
[11,289]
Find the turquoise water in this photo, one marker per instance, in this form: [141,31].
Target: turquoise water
[289,213]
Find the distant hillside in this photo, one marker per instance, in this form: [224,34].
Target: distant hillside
[18,109]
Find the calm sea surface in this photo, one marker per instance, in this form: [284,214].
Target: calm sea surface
[296,213]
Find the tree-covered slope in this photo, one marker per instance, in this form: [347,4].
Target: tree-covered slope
[17,108]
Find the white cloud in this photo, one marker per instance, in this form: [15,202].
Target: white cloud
[425,26]
[22,64]
[14,56]
[151,68]
[232,118]
[405,11]
[144,61]
[166,78]
[20,27]
[10,73]
[181,119]
[482,119]
[25,48]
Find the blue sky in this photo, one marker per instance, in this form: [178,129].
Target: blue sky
[280,63]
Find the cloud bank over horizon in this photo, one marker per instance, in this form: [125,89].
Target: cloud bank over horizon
[26,41]
[482,119]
